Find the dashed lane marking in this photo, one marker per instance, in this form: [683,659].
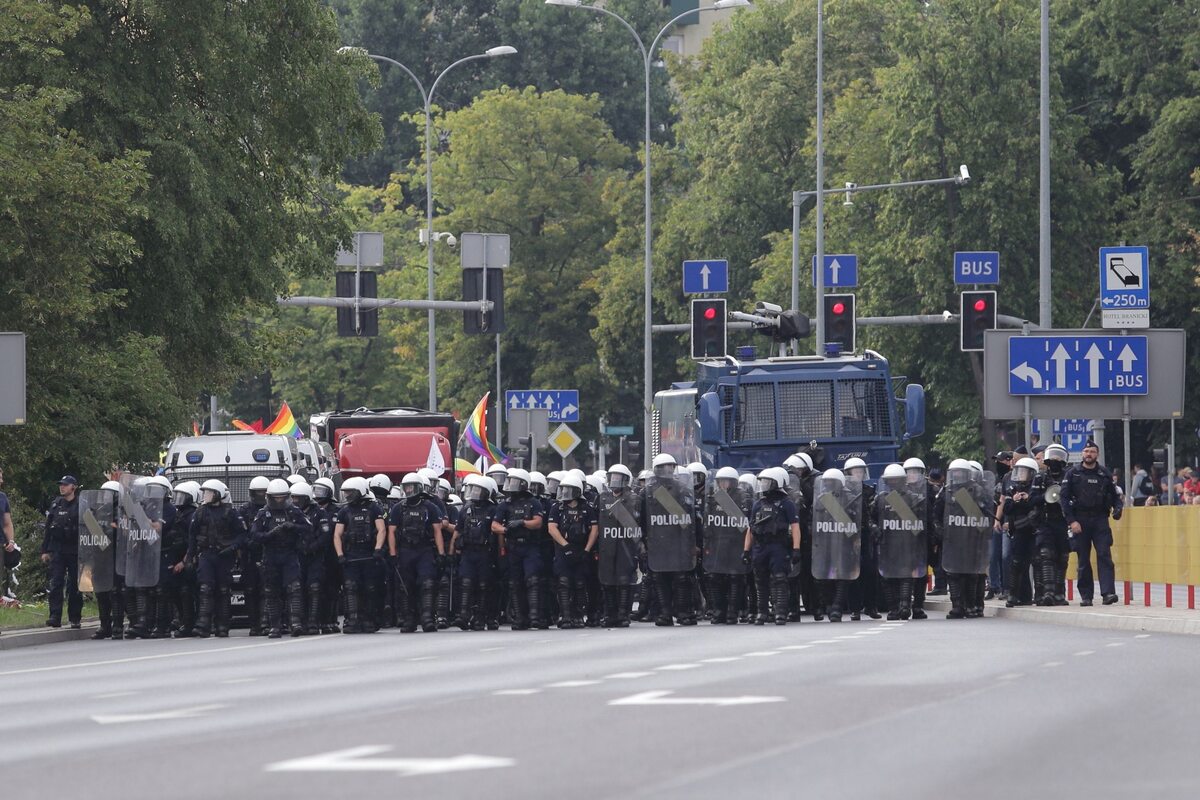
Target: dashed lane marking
[1085,652]
[617,676]
[720,660]
[571,684]
[1053,664]
[232,681]
[421,658]
[758,653]
[112,695]
[515,692]
[676,667]
[1115,644]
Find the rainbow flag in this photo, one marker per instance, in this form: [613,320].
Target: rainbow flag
[253,427]
[463,468]
[475,433]
[284,424]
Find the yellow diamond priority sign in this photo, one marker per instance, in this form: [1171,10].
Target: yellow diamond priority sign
[564,440]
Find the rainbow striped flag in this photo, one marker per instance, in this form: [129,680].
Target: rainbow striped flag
[475,433]
[285,424]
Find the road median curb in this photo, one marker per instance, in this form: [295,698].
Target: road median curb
[32,637]
[1095,618]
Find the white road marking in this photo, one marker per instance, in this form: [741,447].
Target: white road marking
[135,659]
[490,649]
[1012,676]
[1053,664]
[1142,636]
[796,647]
[1085,652]
[421,658]
[111,695]
[515,692]
[335,669]
[625,675]
[824,641]
[720,660]
[676,667]
[357,759]
[1115,644]
[662,699]
[570,684]
[758,653]
[239,680]
[155,716]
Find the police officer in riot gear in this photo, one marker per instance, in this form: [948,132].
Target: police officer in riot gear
[111,604]
[772,544]
[901,525]
[573,527]
[1022,516]
[965,556]
[142,602]
[519,520]
[215,536]
[330,575]
[667,513]
[250,559]
[176,579]
[415,536]
[726,509]
[312,546]
[60,551]
[358,539]
[475,543]
[865,593]
[802,586]
[1089,496]
[280,528]
[380,486]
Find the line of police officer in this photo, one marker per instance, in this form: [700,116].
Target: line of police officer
[528,550]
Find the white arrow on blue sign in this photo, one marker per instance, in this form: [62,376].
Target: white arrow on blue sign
[710,276]
[977,268]
[841,270]
[1077,365]
[562,404]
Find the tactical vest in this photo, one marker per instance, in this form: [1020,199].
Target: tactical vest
[413,528]
[1088,488]
[63,526]
[175,538]
[319,533]
[273,518]
[520,508]
[770,523]
[475,525]
[214,528]
[572,524]
[359,533]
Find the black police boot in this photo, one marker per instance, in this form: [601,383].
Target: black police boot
[350,597]
[762,591]
[1060,584]
[533,591]
[255,610]
[204,612]
[466,591]
[407,608]
[1014,594]
[918,597]
[481,615]
[1049,573]
[718,596]
[161,627]
[428,598]
[957,610]
[224,612]
[271,605]
[313,620]
[736,600]
[563,588]
[662,585]
[295,607]
[104,611]
[444,595]
[891,596]
[839,600]
[779,598]
[518,615]
[621,620]
[681,587]
[904,598]
[645,588]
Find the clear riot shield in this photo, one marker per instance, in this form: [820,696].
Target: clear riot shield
[670,526]
[967,525]
[97,540]
[902,535]
[620,539]
[837,530]
[726,518]
[141,528]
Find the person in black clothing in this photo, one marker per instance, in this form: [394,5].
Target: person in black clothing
[1088,497]
[176,581]
[215,536]
[60,550]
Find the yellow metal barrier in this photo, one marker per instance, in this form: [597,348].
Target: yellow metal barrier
[1160,544]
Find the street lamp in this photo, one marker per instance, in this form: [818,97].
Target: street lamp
[648,354]
[427,97]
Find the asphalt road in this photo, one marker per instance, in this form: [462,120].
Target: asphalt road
[811,710]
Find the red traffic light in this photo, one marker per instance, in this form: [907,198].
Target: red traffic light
[981,305]
[710,313]
[839,308]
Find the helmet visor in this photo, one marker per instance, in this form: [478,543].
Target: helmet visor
[617,481]
[568,493]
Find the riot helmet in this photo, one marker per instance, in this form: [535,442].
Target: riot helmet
[772,480]
[517,481]
[894,477]
[833,480]
[214,491]
[1024,471]
[302,495]
[664,466]
[323,490]
[475,490]
[619,477]
[857,468]
[726,478]
[571,488]
[187,493]
[355,489]
[958,473]
[258,490]
[380,485]
[277,494]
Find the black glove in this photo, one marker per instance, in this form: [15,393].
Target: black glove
[569,554]
[442,561]
[746,557]
[795,558]
[378,553]
[1117,513]
[515,525]
[342,560]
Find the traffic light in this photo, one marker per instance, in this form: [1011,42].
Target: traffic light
[1160,459]
[839,321]
[524,451]
[978,314]
[708,329]
[368,320]
[473,290]
[633,451]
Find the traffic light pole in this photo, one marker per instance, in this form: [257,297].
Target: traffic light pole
[368,303]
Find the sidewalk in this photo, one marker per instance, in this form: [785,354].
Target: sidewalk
[28,637]
[1117,617]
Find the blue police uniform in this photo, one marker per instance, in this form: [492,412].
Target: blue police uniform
[772,517]
[62,544]
[361,572]
[1088,496]
[280,532]
[476,563]
[525,562]
[215,536]
[413,521]
[575,521]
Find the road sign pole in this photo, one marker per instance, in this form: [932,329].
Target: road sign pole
[820,331]
[1125,419]
[499,399]
[1170,469]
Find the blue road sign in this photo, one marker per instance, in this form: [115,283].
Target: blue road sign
[563,404]
[706,277]
[977,267]
[841,270]
[1124,277]
[1065,427]
[618,430]
[1077,365]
